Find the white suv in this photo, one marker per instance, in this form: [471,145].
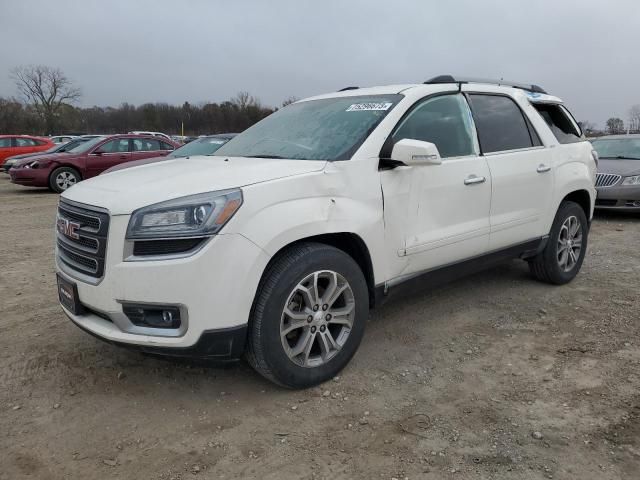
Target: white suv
[278,246]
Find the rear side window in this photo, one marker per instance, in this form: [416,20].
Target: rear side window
[560,121]
[500,123]
[443,121]
[145,145]
[25,142]
[5,142]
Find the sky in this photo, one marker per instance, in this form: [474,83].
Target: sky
[208,50]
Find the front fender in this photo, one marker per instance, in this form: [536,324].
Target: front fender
[278,213]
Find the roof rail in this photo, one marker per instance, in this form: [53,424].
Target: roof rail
[451,79]
[348,88]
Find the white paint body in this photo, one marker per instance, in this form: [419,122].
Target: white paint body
[411,219]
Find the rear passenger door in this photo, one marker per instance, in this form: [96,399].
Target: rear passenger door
[521,169]
[147,148]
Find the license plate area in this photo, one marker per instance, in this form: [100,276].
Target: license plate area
[68,295]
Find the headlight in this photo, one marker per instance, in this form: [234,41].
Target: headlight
[193,216]
[33,164]
[635,180]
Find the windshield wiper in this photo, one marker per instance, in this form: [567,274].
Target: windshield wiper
[621,157]
[263,156]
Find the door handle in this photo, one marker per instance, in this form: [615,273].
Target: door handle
[472,180]
[543,168]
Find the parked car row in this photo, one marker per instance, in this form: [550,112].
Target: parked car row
[64,165]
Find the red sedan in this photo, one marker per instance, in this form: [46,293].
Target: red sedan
[11,145]
[60,171]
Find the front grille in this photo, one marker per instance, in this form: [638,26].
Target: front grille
[84,248]
[607,179]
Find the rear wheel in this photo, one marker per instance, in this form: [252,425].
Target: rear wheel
[309,316]
[63,178]
[562,257]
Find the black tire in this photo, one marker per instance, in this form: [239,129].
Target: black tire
[53,184]
[545,266]
[265,350]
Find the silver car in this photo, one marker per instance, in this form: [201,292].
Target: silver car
[618,178]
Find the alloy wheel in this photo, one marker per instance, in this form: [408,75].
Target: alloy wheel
[317,318]
[64,180]
[569,243]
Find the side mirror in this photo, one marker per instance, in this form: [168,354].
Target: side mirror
[98,151]
[416,152]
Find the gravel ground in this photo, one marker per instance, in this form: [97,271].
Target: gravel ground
[493,376]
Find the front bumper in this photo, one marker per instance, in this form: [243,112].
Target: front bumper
[215,286]
[32,177]
[221,345]
[621,198]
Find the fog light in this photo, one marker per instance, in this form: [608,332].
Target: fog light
[153,316]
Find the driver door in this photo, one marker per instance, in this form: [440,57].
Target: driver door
[445,207]
[107,155]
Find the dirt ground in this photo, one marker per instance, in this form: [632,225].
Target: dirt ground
[451,383]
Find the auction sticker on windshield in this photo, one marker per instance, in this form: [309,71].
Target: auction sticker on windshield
[360,107]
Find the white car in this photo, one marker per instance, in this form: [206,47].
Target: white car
[58,139]
[155,134]
[278,245]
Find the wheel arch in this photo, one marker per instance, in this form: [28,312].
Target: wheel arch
[582,198]
[350,243]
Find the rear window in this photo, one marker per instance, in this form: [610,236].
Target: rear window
[500,123]
[560,121]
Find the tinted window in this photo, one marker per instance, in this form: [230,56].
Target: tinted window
[5,142]
[115,146]
[500,123]
[326,129]
[444,121]
[560,122]
[25,142]
[145,145]
[166,146]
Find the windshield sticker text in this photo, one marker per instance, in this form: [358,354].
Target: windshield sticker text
[361,107]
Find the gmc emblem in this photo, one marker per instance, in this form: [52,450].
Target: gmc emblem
[67,228]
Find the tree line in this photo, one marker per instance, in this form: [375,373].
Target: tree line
[46,107]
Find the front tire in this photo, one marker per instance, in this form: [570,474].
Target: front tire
[63,178]
[308,317]
[562,257]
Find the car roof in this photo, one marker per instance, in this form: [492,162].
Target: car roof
[426,88]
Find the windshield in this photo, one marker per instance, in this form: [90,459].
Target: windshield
[328,129]
[201,146]
[622,148]
[86,146]
[70,145]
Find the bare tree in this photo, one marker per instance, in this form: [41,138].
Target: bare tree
[47,89]
[289,101]
[634,118]
[615,125]
[245,99]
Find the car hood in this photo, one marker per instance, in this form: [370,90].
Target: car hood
[619,166]
[123,191]
[43,158]
[15,158]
